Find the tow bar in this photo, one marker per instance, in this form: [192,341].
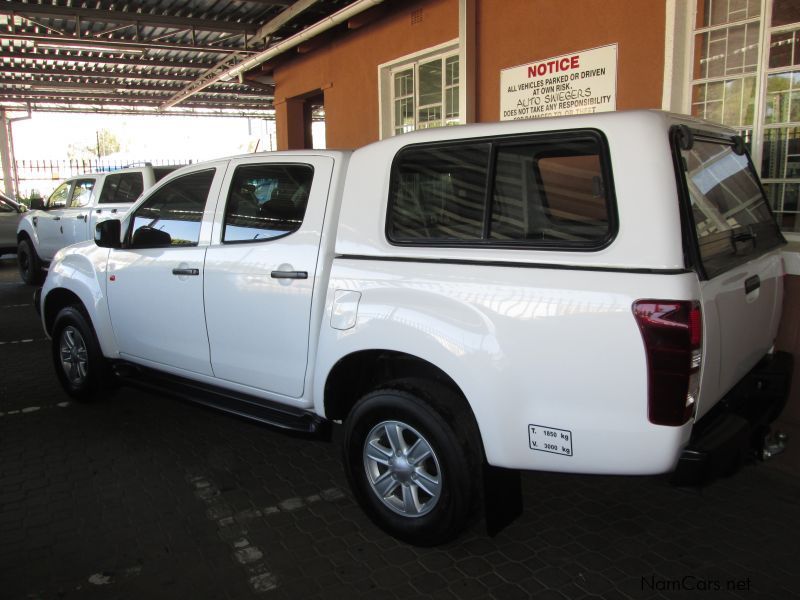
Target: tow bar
[773,444]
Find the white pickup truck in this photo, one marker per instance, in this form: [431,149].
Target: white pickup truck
[73,209]
[591,294]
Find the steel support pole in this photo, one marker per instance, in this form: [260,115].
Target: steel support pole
[7,155]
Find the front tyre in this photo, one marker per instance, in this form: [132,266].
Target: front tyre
[413,467]
[78,361]
[30,266]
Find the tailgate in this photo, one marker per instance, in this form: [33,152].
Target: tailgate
[735,244]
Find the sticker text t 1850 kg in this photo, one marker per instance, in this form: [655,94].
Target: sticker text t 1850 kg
[550,439]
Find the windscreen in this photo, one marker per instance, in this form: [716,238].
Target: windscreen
[731,217]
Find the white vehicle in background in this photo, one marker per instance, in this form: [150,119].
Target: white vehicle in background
[73,209]
[11,212]
[588,294]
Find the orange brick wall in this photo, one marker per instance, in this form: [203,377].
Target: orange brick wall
[346,69]
[514,32]
[508,33]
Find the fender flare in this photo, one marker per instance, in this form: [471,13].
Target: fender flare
[26,229]
[68,278]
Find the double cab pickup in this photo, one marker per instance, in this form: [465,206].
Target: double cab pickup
[70,213]
[589,294]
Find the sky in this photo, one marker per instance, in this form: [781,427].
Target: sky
[141,137]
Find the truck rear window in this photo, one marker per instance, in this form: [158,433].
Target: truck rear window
[122,188]
[549,190]
[732,219]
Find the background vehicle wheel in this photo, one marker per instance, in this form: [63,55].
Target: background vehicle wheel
[413,463]
[78,361]
[30,267]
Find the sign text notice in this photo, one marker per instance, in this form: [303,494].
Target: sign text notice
[571,84]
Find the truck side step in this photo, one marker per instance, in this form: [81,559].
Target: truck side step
[250,407]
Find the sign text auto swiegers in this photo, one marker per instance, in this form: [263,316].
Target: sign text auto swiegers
[571,84]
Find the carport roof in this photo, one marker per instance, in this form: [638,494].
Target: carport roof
[155,56]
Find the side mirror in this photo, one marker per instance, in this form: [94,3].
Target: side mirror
[37,204]
[150,237]
[107,234]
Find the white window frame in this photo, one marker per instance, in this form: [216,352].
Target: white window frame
[740,75]
[759,126]
[386,72]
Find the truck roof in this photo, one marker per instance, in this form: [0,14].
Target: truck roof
[631,118]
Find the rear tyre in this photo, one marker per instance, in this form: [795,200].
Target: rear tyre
[30,266]
[80,366]
[412,464]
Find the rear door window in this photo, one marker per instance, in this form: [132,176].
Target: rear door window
[266,202]
[731,217]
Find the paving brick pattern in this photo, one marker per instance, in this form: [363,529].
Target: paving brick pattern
[143,496]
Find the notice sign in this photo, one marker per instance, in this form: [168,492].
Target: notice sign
[571,84]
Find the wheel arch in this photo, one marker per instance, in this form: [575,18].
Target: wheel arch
[357,373]
[25,231]
[57,299]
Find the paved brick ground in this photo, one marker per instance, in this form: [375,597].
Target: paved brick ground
[144,496]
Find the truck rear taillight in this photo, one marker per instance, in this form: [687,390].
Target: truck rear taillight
[672,331]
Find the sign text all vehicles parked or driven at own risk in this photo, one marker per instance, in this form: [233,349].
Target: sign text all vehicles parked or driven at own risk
[576,83]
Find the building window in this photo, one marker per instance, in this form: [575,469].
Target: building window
[404,101]
[421,91]
[780,151]
[726,45]
[425,94]
[747,76]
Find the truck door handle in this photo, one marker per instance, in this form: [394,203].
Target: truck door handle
[81,217]
[751,284]
[186,271]
[289,274]
[99,210]
[56,218]
[742,237]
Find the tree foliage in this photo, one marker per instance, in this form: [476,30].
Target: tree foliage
[105,143]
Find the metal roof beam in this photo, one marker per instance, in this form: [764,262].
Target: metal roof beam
[10,95]
[269,2]
[113,88]
[122,16]
[47,72]
[306,34]
[104,60]
[100,108]
[92,44]
[218,71]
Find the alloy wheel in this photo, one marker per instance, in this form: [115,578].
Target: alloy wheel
[402,468]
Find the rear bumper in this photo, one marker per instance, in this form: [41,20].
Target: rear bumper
[738,424]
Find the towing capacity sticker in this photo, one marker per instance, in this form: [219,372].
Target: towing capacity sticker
[550,439]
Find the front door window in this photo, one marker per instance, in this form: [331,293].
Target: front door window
[172,215]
